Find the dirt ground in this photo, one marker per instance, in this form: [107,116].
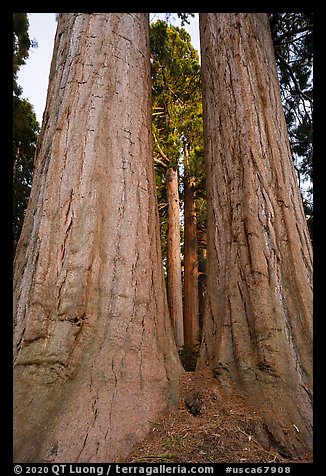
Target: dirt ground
[208,427]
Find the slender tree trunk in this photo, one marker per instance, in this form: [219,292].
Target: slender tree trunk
[191,305]
[202,276]
[95,359]
[258,321]
[174,286]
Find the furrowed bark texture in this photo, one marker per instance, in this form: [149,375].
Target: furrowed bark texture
[95,359]
[202,274]
[191,302]
[258,321]
[174,286]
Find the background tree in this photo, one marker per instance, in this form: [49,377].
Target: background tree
[174,282]
[21,45]
[95,359]
[177,131]
[25,127]
[258,323]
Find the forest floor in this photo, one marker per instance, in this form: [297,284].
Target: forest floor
[208,427]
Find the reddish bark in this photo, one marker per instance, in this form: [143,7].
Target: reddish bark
[191,305]
[258,321]
[95,359]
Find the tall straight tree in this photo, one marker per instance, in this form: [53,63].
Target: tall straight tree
[177,129]
[174,283]
[191,297]
[95,359]
[258,322]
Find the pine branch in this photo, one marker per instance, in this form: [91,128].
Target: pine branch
[278,40]
[294,79]
[160,150]
[159,162]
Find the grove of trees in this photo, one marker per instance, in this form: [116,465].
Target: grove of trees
[178,154]
[165,214]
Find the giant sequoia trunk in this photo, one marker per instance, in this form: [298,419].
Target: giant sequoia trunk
[258,322]
[174,286]
[95,359]
[191,303]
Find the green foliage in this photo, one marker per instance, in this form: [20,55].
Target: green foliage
[21,45]
[188,356]
[25,131]
[176,89]
[292,37]
[25,128]
[177,111]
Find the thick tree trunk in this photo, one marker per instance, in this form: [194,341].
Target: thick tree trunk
[95,359]
[258,321]
[191,305]
[174,286]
